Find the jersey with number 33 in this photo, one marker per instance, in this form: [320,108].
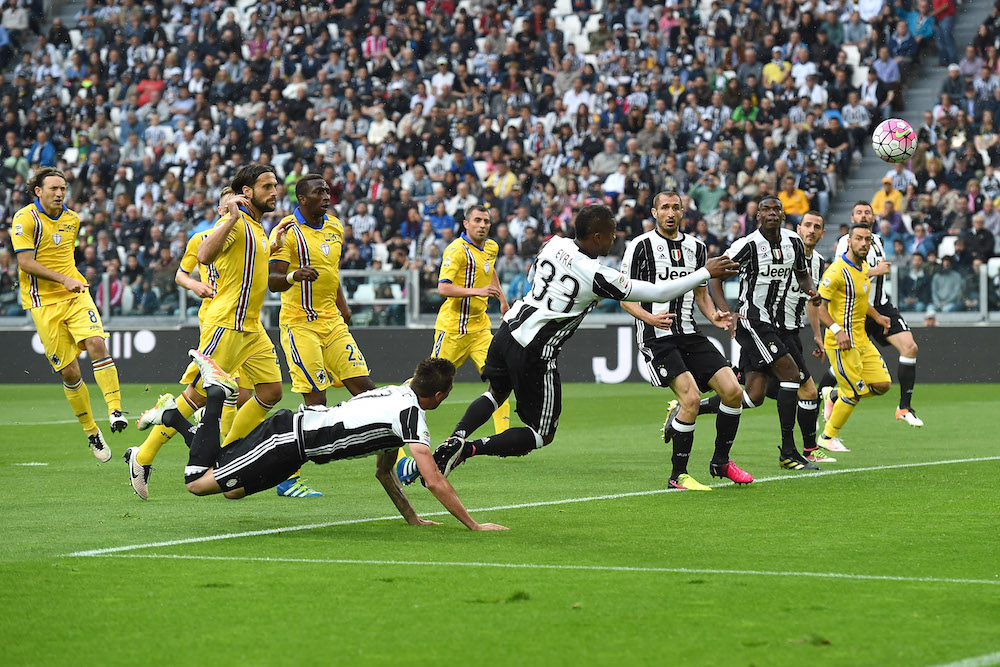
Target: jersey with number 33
[567,285]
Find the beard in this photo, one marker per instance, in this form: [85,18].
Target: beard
[262,205]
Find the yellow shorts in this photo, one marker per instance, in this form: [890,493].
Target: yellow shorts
[251,353]
[456,348]
[64,325]
[191,372]
[857,368]
[321,354]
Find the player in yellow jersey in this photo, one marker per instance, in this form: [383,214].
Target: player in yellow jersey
[855,361]
[232,333]
[140,459]
[305,268]
[55,293]
[462,331]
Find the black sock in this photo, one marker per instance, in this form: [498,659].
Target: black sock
[205,446]
[477,414]
[727,423]
[807,415]
[828,380]
[787,398]
[175,420]
[907,378]
[683,441]
[710,405]
[516,441]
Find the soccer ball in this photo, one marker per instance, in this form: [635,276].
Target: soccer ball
[894,140]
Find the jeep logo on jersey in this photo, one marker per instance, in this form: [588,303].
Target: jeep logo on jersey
[673,273]
[325,249]
[57,238]
[776,254]
[778,272]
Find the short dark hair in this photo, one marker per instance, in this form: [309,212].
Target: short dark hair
[308,178]
[593,218]
[858,225]
[767,197]
[431,376]
[40,176]
[477,208]
[817,214]
[247,176]
[861,202]
[665,193]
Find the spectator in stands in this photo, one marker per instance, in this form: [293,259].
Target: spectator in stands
[793,200]
[947,288]
[915,286]
[887,193]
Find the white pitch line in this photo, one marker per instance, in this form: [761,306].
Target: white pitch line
[45,423]
[591,568]
[978,661]
[30,464]
[543,503]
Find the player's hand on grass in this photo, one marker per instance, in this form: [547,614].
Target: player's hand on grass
[722,267]
[203,291]
[843,340]
[306,274]
[880,269]
[488,526]
[659,320]
[424,522]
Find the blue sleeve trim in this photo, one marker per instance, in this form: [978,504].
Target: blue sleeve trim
[444,280]
[22,250]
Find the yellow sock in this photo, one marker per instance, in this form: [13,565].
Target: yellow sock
[247,418]
[228,415]
[501,418]
[400,454]
[79,400]
[106,374]
[841,411]
[160,434]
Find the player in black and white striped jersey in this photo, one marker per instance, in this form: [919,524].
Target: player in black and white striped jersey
[769,258]
[677,354]
[899,334]
[376,422]
[569,281]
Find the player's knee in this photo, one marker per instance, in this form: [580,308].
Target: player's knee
[70,374]
[910,350]
[235,494]
[880,388]
[547,439]
[197,488]
[269,393]
[690,398]
[808,393]
[96,347]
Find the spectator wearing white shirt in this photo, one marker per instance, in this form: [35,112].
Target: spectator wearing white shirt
[803,68]
[362,221]
[577,96]
[442,77]
[380,128]
[901,177]
[520,222]
[440,164]
[422,97]
[614,184]
[461,202]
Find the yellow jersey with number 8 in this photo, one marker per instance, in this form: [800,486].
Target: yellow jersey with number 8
[53,240]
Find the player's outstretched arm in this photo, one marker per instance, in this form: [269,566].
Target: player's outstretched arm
[723,319]
[806,285]
[442,488]
[27,262]
[383,473]
[451,290]
[841,336]
[279,279]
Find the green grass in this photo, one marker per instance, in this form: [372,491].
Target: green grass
[934,521]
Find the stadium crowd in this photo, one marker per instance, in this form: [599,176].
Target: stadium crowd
[414,111]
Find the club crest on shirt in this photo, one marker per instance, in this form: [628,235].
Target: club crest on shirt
[689,254]
[321,376]
[773,348]
[865,287]
[325,249]
[675,254]
[486,267]
[57,238]
[55,359]
[776,254]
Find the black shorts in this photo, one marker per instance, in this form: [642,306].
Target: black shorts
[760,345]
[534,381]
[263,459]
[669,356]
[874,329]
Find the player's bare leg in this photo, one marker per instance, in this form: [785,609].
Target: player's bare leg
[106,375]
[907,374]
[79,400]
[681,427]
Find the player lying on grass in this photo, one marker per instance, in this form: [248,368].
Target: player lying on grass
[569,282]
[376,422]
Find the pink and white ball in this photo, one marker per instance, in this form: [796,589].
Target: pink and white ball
[894,140]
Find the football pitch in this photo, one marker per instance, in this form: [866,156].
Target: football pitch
[889,557]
